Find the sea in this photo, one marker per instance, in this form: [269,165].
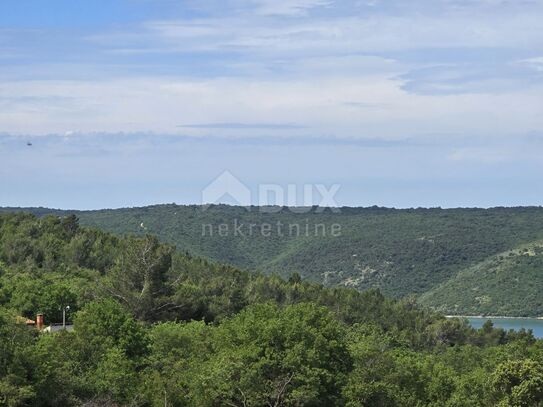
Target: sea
[536,325]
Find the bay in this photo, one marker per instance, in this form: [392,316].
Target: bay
[536,325]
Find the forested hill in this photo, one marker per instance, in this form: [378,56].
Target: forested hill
[413,251]
[155,327]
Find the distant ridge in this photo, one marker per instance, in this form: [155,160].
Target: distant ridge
[439,255]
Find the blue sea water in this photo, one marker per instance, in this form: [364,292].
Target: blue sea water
[536,325]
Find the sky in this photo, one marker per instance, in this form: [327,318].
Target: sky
[400,103]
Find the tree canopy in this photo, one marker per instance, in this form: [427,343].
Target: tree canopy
[157,327]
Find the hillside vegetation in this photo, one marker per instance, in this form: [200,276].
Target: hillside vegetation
[155,327]
[509,283]
[401,252]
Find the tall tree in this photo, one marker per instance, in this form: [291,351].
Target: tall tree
[138,280]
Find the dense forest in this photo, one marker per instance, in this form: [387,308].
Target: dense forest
[459,261]
[154,326]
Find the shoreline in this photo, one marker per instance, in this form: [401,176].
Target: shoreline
[492,317]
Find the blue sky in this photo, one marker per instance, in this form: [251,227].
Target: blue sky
[406,104]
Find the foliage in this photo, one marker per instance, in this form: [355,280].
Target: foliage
[508,283]
[436,253]
[156,327]
[520,382]
[269,356]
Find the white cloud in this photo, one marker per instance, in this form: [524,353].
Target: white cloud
[375,33]
[322,104]
[482,155]
[263,31]
[534,63]
[287,7]
[339,73]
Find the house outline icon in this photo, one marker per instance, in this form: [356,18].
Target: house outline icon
[226,185]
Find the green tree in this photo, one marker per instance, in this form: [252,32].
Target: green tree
[177,353]
[105,324]
[519,383]
[139,278]
[278,357]
[59,366]
[15,342]
[115,376]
